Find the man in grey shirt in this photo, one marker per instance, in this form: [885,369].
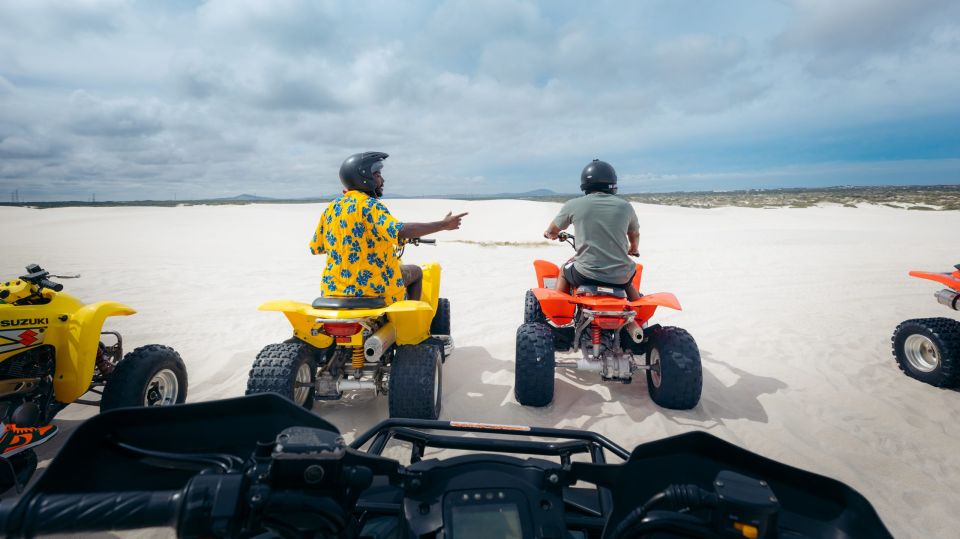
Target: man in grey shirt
[604,222]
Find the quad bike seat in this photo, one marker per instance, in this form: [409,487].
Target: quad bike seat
[363,302]
[594,290]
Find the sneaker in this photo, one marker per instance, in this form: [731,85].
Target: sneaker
[16,439]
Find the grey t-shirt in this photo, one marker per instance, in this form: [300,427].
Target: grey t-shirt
[601,222]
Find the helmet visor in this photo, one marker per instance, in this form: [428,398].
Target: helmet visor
[377,166]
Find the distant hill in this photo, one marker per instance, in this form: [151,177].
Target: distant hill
[914,197]
[244,196]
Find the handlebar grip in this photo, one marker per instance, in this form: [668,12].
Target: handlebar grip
[424,240]
[53,513]
[47,283]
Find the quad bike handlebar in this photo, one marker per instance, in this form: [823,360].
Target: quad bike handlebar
[418,241]
[413,241]
[307,482]
[38,276]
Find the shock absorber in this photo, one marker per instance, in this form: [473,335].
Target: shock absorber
[595,333]
[357,357]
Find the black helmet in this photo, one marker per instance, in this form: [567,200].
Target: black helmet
[357,172]
[598,176]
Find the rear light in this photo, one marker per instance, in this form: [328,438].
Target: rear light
[609,323]
[341,330]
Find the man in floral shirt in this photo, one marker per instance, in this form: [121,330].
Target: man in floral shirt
[359,237]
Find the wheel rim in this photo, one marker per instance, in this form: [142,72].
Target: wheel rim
[163,389]
[301,387]
[922,353]
[655,365]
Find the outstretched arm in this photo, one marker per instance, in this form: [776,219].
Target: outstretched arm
[417,230]
[553,231]
[634,237]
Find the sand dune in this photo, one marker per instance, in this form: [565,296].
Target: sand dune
[792,309]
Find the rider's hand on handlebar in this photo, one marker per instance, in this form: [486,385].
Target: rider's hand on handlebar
[635,252]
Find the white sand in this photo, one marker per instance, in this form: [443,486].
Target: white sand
[792,309]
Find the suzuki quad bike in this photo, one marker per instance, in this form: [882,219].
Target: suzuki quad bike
[928,349]
[261,467]
[53,351]
[342,344]
[610,335]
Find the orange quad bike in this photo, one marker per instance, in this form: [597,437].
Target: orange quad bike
[597,329]
[928,349]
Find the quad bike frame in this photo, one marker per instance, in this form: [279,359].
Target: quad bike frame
[928,349]
[355,344]
[611,335]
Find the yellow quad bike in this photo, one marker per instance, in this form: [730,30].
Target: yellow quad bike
[52,352]
[345,344]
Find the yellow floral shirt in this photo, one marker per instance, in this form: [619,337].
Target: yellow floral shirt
[359,236]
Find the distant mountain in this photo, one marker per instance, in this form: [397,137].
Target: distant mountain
[243,197]
[534,193]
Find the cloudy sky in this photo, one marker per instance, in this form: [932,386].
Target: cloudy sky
[186,99]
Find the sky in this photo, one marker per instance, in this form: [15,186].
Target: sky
[133,100]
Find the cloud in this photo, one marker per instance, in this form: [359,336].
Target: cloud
[220,97]
[840,36]
[96,117]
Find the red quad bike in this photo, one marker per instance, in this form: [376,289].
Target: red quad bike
[603,332]
[928,349]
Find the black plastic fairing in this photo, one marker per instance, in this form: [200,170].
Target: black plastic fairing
[92,460]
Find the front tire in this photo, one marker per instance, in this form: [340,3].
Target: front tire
[532,312]
[675,377]
[928,349]
[287,368]
[535,364]
[441,319]
[416,382]
[152,375]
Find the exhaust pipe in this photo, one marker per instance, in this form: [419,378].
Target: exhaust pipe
[356,385]
[379,342]
[950,298]
[635,331]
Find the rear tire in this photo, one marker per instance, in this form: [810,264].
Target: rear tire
[675,377]
[928,349]
[441,319]
[535,364]
[282,368]
[416,382]
[152,375]
[532,312]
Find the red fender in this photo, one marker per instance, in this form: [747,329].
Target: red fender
[647,305]
[636,277]
[545,270]
[558,307]
[949,279]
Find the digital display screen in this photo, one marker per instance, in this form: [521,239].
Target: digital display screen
[486,520]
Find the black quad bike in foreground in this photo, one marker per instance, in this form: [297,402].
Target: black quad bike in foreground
[928,349]
[260,466]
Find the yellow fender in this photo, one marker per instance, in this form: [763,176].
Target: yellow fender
[75,367]
[302,317]
[411,318]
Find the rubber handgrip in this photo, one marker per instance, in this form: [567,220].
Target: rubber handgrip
[52,513]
